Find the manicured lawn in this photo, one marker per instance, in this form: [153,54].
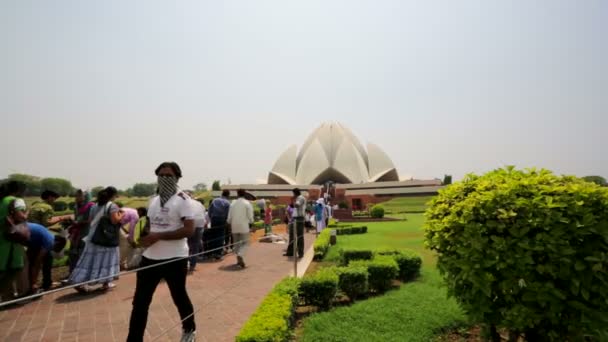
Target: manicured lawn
[407,204]
[415,312]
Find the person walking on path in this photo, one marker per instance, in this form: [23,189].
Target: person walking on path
[100,259]
[299,203]
[268,219]
[320,215]
[218,213]
[195,242]
[240,218]
[171,223]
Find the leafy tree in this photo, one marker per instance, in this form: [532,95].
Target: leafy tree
[34,188]
[599,180]
[61,186]
[216,186]
[200,187]
[447,179]
[143,189]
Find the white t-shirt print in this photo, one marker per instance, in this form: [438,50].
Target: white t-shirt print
[166,219]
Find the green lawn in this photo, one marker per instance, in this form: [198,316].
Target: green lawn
[415,312]
[407,204]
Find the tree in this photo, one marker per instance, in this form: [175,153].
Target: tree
[59,185]
[216,186]
[447,179]
[599,180]
[32,183]
[200,187]
[143,189]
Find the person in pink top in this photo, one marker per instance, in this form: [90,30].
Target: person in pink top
[129,220]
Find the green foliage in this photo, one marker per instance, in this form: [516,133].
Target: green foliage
[60,206]
[377,211]
[599,180]
[320,288]
[200,187]
[61,186]
[447,180]
[142,190]
[343,205]
[96,190]
[32,183]
[216,186]
[353,281]
[347,230]
[272,319]
[348,255]
[381,271]
[525,250]
[321,244]
[409,265]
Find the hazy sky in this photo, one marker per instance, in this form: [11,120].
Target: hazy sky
[100,92]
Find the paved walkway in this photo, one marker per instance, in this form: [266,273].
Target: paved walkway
[225,295]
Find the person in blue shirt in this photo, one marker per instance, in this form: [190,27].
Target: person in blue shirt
[218,213]
[40,249]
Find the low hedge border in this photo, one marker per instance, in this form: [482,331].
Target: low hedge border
[348,255]
[272,320]
[350,230]
[319,289]
[321,245]
[381,270]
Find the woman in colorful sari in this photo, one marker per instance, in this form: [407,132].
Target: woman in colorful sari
[12,254]
[98,261]
[80,228]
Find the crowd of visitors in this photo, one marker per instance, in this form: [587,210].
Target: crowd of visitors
[104,237]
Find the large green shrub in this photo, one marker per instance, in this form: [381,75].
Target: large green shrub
[353,281]
[321,244]
[320,288]
[381,271]
[272,319]
[525,250]
[348,255]
[377,211]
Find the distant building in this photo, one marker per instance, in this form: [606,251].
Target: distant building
[333,161]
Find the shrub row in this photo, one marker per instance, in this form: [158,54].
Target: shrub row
[321,245]
[272,319]
[381,271]
[348,255]
[320,288]
[351,230]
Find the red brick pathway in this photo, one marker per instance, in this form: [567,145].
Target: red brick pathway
[225,295]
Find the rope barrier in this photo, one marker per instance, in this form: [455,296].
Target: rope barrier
[110,277]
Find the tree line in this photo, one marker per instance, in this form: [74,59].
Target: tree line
[36,185]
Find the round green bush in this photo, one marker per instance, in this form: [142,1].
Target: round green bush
[377,211]
[526,251]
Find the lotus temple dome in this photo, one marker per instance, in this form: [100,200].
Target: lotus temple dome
[332,153]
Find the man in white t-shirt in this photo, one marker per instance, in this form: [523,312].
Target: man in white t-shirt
[240,218]
[171,223]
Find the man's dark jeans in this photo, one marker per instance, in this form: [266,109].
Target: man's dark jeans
[174,274]
[217,234]
[299,224]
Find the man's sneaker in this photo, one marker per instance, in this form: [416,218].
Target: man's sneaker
[240,261]
[188,336]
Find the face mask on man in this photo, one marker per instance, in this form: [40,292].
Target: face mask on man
[167,187]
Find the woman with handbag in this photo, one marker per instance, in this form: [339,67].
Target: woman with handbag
[100,257]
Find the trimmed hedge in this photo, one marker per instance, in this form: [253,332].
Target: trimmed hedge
[320,288]
[377,211]
[321,245]
[347,230]
[381,271]
[272,319]
[409,265]
[348,255]
[353,281]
